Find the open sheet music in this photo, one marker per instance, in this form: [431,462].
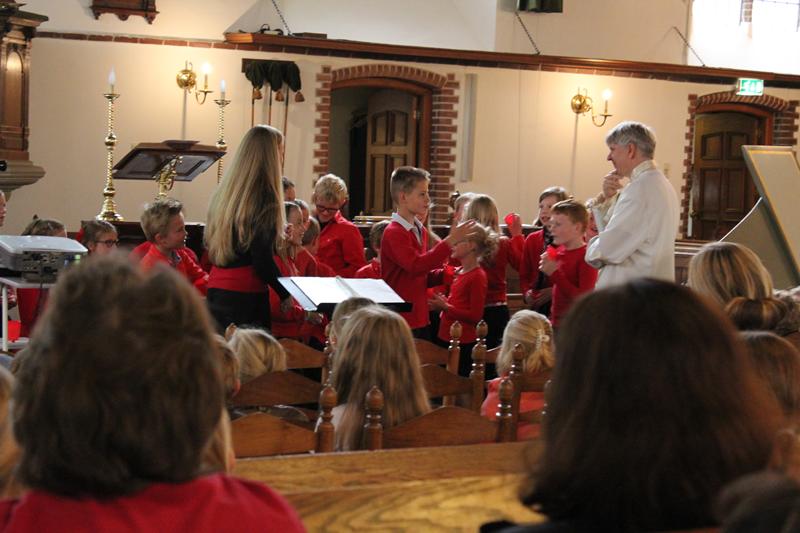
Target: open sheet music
[322,294]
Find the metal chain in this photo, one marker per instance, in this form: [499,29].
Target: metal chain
[283,20]
[524,27]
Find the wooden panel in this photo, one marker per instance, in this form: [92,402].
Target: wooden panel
[399,129]
[711,180]
[379,129]
[735,143]
[735,182]
[711,147]
[12,94]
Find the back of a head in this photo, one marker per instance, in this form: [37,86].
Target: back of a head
[249,199]
[790,323]
[534,333]
[44,227]
[343,310]
[723,270]
[258,353]
[643,371]
[766,501]
[376,349]
[483,209]
[777,361]
[105,410]
[9,450]
[751,314]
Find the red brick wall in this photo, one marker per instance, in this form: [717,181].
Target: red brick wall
[443,121]
[784,132]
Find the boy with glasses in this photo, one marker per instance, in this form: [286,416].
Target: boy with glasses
[341,246]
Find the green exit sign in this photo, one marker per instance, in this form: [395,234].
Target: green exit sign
[749,87]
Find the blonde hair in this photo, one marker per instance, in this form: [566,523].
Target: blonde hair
[725,270]
[219,455]
[285,248]
[486,242]
[342,312]
[535,334]
[483,209]
[249,201]
[9,449]
[376,349]
[330,188]
[258,353]
[230,365]
[156,216]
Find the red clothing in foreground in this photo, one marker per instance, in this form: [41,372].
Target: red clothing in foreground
[30,305]
[572,278]
[405,266]
[216,503]
[529,266]
[183,261]
[370,270]
[528,401]
[509,251]
[341,246]
[466,301]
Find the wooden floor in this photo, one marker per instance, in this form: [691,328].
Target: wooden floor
[454,488]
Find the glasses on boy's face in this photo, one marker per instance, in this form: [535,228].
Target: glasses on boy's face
[109,242]
[329,210]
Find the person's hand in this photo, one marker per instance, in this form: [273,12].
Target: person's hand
[547,265]
[438,302]
[515,228]
[611,184]
[537,299]
[287,304]
[461,232]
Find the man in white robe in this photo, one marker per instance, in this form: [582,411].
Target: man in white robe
[639,240]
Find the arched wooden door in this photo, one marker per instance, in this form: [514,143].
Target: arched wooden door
[723,191]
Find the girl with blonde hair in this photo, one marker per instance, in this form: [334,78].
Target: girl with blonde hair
[258,353]
[533,332]
[245,221]
[724,270]
[483,209]
[375,349]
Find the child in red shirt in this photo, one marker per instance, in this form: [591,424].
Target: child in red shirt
[163,225]
[567,269]
[534,284]
[483,209]
[341,246]
[373,268]
[468,292]
[405,264]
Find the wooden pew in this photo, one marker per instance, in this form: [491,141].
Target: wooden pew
[421,489]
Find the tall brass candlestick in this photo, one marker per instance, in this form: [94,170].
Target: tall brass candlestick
[109,210]
[221,103]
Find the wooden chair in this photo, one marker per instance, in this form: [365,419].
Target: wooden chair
[277,388]
[444,426]
[525,383]
[442,383]
[299,355]
[432,354]
[260,434]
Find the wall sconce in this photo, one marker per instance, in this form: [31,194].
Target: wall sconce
[581,103]
[187,80]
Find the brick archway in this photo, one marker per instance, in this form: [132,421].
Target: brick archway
[784,130]
[444,117]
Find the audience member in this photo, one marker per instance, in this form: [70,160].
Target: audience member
[533,332]
[114,419]
[99,237]
[643,373]
[761,502]
[10,487]
[164,227]
[369,331]
[258,352]
[724,270]
[777,362]
[789,326]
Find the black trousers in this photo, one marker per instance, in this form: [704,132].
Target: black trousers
[240,308]
[496,317]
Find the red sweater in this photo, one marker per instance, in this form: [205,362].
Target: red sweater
[215,503]
[182,261]
[528,401]
[466,302]
[31,304]
[509,251]
[341,246]
[529,266]
[405,266]
[572,278]
[370,270]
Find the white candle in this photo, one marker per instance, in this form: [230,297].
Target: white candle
[206,70]
[112,79]
[222,90]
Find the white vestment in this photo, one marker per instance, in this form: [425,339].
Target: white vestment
[639,240]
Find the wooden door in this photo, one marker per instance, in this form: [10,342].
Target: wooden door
[392,118]
[724,191]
